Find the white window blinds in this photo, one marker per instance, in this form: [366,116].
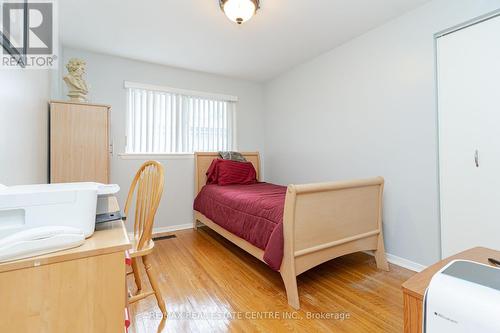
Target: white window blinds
[166,120]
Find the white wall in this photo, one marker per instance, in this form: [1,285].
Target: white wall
[368,108]
[105,75]
[24,96]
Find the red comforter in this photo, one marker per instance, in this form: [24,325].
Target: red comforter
[252,212]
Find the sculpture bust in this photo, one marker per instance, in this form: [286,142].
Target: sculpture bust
[77,87]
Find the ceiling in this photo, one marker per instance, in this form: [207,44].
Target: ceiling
[195,34]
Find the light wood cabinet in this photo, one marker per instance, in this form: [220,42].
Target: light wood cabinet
[79,142]
[77,290]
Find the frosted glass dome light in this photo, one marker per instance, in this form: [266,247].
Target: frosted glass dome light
[239,11]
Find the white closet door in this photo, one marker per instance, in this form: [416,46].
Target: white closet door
[469,132]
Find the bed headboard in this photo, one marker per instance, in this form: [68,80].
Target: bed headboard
[203,160]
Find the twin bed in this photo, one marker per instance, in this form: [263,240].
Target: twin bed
[294,228]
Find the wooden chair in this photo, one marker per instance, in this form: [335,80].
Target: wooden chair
[148,181]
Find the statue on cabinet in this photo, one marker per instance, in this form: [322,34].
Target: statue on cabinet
[77,87]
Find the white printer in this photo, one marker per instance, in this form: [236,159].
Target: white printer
[38,219]
[464,296]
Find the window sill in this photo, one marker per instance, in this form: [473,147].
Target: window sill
[158,156]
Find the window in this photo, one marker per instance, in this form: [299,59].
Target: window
[166,120]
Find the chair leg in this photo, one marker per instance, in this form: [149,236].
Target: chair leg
[137,274]
[154,284]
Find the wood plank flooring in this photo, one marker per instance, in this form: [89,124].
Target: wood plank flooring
[210,285]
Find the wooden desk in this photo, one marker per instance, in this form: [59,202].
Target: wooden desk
[414,288]
[75,290]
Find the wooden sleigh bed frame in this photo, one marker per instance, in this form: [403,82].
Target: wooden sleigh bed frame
[321,222]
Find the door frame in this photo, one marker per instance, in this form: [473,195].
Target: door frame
[455,28]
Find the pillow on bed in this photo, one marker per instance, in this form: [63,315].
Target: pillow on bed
[227,172]
[213,172]
[232,155]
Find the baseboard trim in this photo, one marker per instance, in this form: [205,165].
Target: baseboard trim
[405,263]
[162,231]
[402,262]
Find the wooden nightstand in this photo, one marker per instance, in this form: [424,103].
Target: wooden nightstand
[414,288]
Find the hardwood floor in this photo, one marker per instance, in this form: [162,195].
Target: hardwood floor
[210,285]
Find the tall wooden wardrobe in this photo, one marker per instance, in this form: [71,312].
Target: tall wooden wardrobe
[79,142]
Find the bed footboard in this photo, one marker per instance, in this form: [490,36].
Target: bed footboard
[327,220]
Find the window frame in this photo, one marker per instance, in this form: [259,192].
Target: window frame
[186,92]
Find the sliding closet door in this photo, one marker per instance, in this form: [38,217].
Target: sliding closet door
[469,134]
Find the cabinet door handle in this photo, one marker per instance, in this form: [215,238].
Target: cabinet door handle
[476,158]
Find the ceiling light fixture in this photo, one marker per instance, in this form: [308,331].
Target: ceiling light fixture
[239,11]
